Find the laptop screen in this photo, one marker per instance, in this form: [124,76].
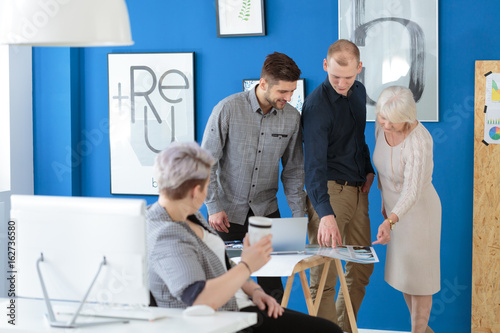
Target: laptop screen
[289,234]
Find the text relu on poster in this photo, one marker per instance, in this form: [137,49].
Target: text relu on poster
[151,104]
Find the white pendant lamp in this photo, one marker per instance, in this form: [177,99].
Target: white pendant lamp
[77,23]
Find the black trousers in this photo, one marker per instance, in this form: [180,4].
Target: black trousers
[290,322]
[271,285]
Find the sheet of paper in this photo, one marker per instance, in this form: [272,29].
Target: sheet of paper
[492,107]
[279,265]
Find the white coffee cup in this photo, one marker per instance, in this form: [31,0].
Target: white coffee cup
[258,227]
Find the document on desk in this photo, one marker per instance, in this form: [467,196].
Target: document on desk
[279,265]
[355,253]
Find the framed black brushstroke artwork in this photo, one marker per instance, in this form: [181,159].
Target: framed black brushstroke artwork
[398,41]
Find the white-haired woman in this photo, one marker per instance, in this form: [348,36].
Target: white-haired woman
[187,260]
[410,205]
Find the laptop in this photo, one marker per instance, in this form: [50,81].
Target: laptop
[289,237]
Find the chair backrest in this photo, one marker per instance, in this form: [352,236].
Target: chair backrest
[152,301]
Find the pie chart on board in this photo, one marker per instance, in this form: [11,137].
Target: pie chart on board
[495,133]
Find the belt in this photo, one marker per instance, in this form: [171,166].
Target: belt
[347,183]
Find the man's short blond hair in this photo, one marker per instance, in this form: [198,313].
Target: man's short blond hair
[343,51]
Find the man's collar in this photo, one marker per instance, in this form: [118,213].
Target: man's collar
[334,94]
[254,102]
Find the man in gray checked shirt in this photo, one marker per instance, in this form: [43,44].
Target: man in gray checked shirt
[248,133]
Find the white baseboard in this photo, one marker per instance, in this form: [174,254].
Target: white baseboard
[364,330]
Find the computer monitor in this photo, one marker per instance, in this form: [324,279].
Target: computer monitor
[76,240]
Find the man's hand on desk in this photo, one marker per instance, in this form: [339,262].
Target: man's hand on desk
[328,232]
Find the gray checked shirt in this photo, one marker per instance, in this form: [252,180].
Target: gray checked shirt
[248,146]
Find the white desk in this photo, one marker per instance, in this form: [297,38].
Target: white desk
[30,318]
[290,264]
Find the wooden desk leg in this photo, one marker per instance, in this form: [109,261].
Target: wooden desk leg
[307,293]
[347,297]
[288,290]
[321,287]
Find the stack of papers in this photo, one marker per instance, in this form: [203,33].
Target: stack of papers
[354,253]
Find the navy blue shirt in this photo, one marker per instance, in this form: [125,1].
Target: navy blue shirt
[334,141]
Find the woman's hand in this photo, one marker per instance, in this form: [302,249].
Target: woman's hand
[263,301]
[258,254]
[384,233]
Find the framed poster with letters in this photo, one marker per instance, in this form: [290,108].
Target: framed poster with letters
[398,41]
[151,104]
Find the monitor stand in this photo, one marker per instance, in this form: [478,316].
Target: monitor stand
[72,322]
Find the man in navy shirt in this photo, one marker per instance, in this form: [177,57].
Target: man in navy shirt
[338,174]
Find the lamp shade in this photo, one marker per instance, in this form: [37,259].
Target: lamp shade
[76,23]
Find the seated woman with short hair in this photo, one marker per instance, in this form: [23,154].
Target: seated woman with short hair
[187,260]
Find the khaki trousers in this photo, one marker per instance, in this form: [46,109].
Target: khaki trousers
[351,209]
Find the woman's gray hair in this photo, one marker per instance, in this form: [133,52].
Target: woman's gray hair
[397,105]
[181,162]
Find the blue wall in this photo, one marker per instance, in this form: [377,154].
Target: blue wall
[71,117]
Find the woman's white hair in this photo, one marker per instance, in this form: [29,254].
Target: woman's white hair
[180,162]
[397,105]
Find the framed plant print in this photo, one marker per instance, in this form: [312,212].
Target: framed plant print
[298,95]
[151,104]
[237,18]
[398,41]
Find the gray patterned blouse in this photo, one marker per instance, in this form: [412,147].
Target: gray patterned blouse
[178,258]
